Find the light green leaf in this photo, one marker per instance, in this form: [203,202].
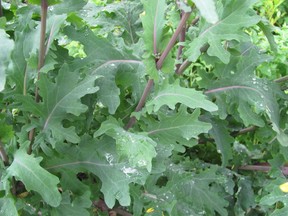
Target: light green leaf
[249,117]
[138,149]
[234,17]
[207,9]
[170,95]
[50,2]
[26,168]
[7,45]
[8,207]
[67,6]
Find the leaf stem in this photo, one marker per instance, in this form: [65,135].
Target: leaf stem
[3,155]
[41,60]
[1,11]
[159,65]
[262,168]
[141,103]
[182,37]
[172,41]
[282,79]
[41,57]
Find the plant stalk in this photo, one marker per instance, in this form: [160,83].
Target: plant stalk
[41,60]
[262,168]
[141,103]
[41,57]
[182,37]
[1,10]
[282,79]
[187,63]
[159,65]
[172,41]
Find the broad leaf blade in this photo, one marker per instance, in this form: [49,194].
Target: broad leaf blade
[170,95]
[176,129]
[234,17]
[26,168]
[59,99]
[7,45]
[207,9]
[7,206]
[103,161]
[138,149]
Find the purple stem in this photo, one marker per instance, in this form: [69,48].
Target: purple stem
[172,41]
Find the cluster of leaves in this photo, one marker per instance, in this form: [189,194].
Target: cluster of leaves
[103,111]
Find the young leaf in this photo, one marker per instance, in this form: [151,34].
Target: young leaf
[26,168]
[50,2]
[138,149]
[170,95]
[7,45]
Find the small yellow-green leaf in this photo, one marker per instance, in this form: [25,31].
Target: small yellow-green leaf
[50,2]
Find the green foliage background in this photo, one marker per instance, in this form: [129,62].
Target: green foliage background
[210,139]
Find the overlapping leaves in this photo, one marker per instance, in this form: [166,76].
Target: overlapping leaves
[177,129]
[233,17]
[59,99]
[26,168]
[100,158]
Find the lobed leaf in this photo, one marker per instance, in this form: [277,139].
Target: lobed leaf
[171,95]
[138,149]
[234,16]
[176,129]
[99,156]
[59,99]
[26,168]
